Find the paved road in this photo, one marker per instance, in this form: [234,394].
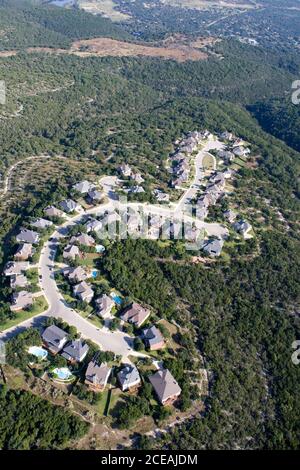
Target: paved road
[118,342]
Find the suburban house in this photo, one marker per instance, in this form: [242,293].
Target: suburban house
[243,227]
[15,267]
[104,305]
[24,251]
[241,151]
[27,236]
[83,239]
[153,338]
[52,211]
[76,274]
[71,251]
[69,206]
[230,215]
[21,300]
[18,280]
[83,187]
[213,247]
[96,376]
[165,386]
[227,135]
[75,351]
[135,314]
[83,291]
[95,196]
[137,177]
[41,223]
[161,196]
[129,378]
[125,169]
[93,225]
[54,338]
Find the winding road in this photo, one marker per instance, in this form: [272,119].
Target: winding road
[117,341]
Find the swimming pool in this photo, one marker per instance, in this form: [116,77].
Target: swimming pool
[100,249]
[94,273]
[62,373]
[116,298]
[38,352]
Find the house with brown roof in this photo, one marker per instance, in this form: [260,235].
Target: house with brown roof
[135,314]
[21,300]
[96,376]
[153,338]
[83,239]
[52,211]
[28,236]
[24,251]
[15,267]
[165,386]
[129,378]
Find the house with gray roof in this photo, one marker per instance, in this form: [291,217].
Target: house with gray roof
[83,291]
[83,187]
[95,196]
[93,225]
[41,223]
[165,386]
[243,227]
[21,300]
[28,236]
[213,247]
[153,338]
[97,375]
[18,280]
[230,215]
[129,378]
[104,305]
[71,251]
[69,206]
[75,351]
[54,338]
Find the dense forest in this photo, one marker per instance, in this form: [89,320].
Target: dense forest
[29,422]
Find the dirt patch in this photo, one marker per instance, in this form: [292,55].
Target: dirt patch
[8,53]
[175,47]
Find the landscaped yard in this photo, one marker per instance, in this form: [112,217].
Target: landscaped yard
[39,306]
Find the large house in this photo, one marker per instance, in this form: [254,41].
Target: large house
[21,300]
[54,338]
[76,274]
[104,305]
[75,351]
[83,291]
[135,314]
[96,376]
[153,338]
[15,267]
[129,378]
[18,280]
[52,211]
[95,196]
[28,236]
[93,225]
[165,386]
[24,251]
[69,206]
[213,247]
[83,187]
[70,252]
[243,227]
[83,239]
[41,223]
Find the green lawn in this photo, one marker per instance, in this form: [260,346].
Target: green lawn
[39,306]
